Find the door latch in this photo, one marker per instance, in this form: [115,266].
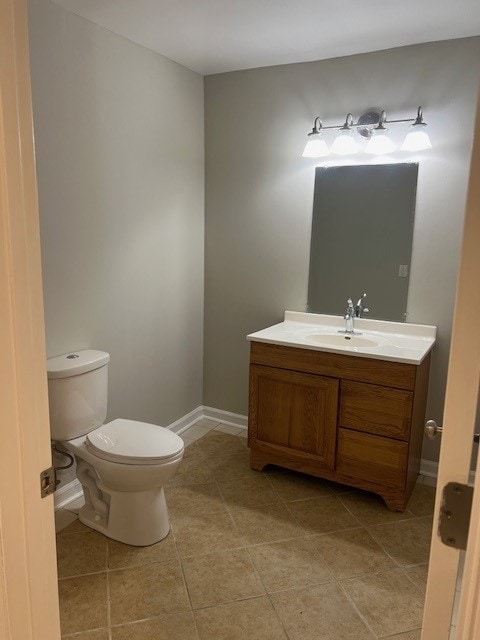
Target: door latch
[48,482]
[455,513]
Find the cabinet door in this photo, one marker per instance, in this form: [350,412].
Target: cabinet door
[294,412]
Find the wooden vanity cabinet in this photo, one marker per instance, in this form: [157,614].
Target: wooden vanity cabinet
[354,420]
[294,412]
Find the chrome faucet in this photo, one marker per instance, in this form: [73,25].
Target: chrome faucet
[353,312]
[349,317]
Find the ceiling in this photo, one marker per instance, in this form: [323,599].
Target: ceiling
[213,36]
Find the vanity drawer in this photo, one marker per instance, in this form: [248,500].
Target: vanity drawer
[374,409]
[398,375]
[372,458]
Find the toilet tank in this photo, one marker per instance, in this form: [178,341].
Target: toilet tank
[77,393]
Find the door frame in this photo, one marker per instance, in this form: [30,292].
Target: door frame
[461,401]
[28,577]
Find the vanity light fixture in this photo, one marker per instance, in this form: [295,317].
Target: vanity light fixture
[316,146]
[380,143]
[370,126]
[417,139]
[345,143]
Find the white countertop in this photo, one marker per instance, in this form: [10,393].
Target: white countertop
[378,339]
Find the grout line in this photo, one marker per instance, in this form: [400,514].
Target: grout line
[352,602]
[225,604]
[372,574]
[161,616]
[227,507]
[285,504]
[385,550]
[82,575]
[185,584]
[270,599]
[355,608]
[335,581]
[405,573]
[76,634]
[109,616]
[401,633]
[366,524]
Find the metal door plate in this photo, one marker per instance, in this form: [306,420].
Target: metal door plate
[455,515]
[48,482]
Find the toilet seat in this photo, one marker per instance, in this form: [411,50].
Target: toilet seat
[132,442]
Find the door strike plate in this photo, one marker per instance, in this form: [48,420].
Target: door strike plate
[455,515]
[48,482]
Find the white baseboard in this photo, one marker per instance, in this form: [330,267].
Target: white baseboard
[186,421]
[72,490]
[227,417]
[429,469]
[67,494]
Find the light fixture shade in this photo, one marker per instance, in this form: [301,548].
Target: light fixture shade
[316,147]
[417,139]
[345,144]
[380,144]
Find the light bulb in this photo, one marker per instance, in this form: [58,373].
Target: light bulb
[380,144]
[344,144]
[417,139]
[316,147]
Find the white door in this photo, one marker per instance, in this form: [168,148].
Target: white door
[461,401]
[28,581]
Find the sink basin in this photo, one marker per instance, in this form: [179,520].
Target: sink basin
[376,339]
[340,340]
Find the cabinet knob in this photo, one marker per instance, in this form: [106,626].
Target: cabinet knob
[432,429]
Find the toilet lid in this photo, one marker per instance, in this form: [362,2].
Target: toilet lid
[134,442]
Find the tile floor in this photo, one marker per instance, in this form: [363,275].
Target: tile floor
[251,556]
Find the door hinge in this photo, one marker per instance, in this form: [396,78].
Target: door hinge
[48,481]
[455,512]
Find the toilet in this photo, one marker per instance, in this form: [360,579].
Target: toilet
[122,465]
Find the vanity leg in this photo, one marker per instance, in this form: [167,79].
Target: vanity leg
[395,503]
[258,460]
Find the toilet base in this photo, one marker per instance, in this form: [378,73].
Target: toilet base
[136,518]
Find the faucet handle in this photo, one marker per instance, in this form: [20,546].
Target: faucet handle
[361,299]
[359,308]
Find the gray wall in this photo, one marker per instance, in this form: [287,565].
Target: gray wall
[120,162]
[259,193]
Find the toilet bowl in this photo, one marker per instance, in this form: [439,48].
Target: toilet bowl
[124,496]
[122,465]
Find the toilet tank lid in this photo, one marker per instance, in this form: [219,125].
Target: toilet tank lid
[76,362]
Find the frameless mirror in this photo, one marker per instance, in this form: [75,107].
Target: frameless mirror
[362,231]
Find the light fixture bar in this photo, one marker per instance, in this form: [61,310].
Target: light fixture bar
[370,125]
[354,125]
